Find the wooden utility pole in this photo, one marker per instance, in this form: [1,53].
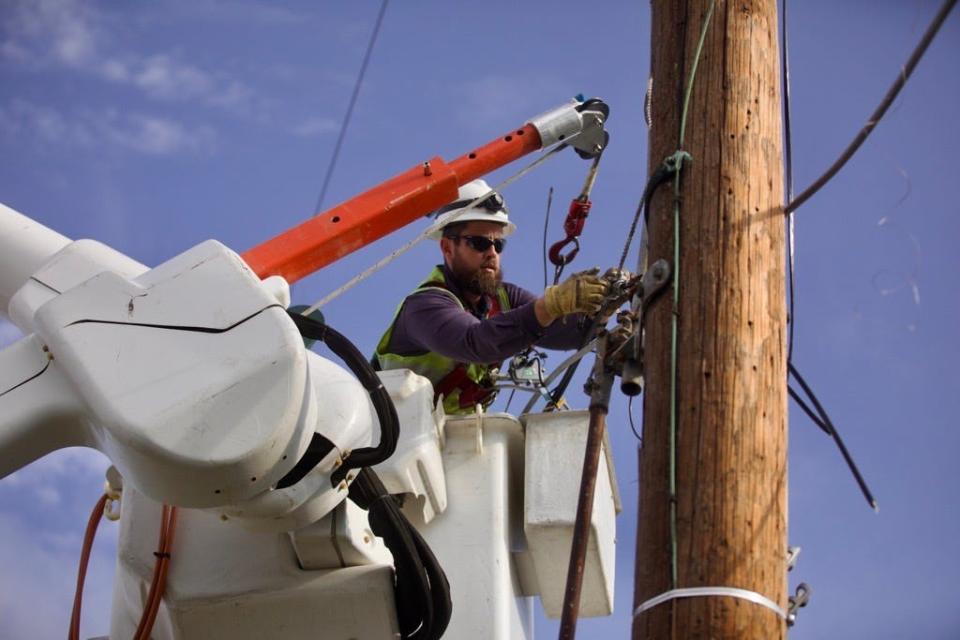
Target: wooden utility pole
[730,523]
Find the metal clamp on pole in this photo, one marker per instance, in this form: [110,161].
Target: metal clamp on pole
[798,600]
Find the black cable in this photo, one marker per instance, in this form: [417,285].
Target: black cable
[788,177]
[360,367]
[546,222]
[630,415]
[421,589]
[827,425]
[875,118]
[658,177]
[350,106]
[807,410]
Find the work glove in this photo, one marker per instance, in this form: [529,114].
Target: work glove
[582,292]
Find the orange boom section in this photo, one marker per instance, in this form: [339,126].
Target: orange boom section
[353,224]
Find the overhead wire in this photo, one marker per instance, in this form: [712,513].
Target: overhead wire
[879,112]
[788,179]
[350,107]
[822,420]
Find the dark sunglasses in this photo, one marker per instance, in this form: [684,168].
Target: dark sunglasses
[482,243]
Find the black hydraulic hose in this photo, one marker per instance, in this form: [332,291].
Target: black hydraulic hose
[421,589]
[360,367]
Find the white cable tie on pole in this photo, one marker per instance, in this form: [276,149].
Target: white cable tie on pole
[396,253]
[699,592]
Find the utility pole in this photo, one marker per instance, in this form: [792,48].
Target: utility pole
[729,521]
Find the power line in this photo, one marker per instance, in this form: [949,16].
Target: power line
[877,115]
[788,178]
[352,104]
[822,420]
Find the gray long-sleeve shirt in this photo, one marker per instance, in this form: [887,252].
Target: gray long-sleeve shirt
[431,320]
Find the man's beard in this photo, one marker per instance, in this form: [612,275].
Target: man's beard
[478,281]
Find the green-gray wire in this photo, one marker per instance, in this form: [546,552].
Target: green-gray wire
[676,302]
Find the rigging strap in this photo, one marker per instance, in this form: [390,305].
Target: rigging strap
[697,592]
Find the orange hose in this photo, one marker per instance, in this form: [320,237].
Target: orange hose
[168,519]
[88,536]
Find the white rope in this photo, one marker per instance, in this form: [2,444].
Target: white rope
[696,592]
[396,253]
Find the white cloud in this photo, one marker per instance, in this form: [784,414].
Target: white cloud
[488,100]
[57,34]
[315,126]
[48,496]
[141,133]
[163,77]
[35,600]
[155,136]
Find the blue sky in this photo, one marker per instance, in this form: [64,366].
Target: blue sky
[154,126]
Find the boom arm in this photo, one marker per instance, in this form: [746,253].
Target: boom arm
[365,218]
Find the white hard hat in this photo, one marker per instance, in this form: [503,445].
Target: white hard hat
[490,209]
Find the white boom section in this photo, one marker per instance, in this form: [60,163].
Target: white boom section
[191,378]
[25,245]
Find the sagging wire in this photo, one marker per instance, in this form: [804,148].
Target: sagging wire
[396,253]
[350,107]
[879,112]
[822,420]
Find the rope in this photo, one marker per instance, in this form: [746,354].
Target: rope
[878,114]
[363,275]
[352,104]
[678,158]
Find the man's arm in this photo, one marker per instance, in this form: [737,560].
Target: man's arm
[433,321]
[568,332]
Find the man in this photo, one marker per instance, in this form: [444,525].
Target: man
[462,320]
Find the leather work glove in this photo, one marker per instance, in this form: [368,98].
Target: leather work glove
[582,292]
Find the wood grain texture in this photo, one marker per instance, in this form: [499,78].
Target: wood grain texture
[731,436]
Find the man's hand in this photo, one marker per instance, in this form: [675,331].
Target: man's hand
[582,292]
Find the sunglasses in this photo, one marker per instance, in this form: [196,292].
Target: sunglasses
[482,243]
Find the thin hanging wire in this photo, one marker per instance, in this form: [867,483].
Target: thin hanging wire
[350,107]
[546,223]
[877,115]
